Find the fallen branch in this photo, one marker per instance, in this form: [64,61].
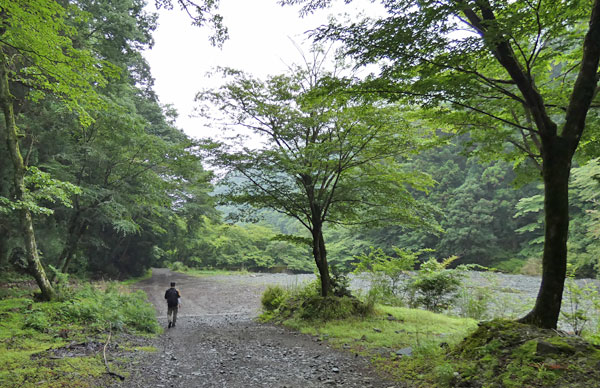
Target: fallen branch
[105,361]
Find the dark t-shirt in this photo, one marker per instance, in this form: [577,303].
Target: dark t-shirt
[172,296]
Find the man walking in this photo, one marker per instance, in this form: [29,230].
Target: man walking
[173,300]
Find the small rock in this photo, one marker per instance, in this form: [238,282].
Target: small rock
[405,352]
[544,348]
[377,330]
[335,370]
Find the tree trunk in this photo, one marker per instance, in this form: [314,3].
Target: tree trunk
[33,261]
[75,232]
[320,255]
[557,156]
[3,246]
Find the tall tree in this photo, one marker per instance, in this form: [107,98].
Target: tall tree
[325,157]
[37,53]
[524,72]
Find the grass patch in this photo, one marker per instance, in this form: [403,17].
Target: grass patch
[132,281]
[47,344]
[213,272]
[146,349]
[392,328]
[410,345]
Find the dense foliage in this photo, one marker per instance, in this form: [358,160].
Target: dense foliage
[128,184]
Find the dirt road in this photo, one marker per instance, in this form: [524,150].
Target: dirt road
[217,343]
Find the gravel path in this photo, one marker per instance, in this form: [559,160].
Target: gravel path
[217,343]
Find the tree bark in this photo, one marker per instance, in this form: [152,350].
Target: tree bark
[33,260]
[555,170]
[75,232]
[320,255]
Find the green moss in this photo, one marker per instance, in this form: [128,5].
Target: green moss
[511,355]
[147,349]
[69,372]
[30,332]
[131,281]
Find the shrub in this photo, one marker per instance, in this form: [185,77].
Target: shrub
[178,266]
[331,308]
[434,286]
[110,308]
[306,303]
[580,302]
[532,267]
[472,302]
[37,320]
[386,273]
[273,297]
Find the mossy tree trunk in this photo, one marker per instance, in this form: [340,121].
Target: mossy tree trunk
[26,222]
[320,255]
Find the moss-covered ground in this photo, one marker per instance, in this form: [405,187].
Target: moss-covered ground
[60,343]
[511,355]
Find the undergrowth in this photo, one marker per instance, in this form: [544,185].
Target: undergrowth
[31,333]
[306,303]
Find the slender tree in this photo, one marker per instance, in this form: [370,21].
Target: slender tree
[325,157]
[36,53]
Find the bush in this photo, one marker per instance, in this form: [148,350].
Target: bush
[532,267]
[434,286]
[386,273]
[306,303]
[37,320]
[332,308]
[96,310]
[580,303]
[178,266]
[472,302]
[111,308]
[273,297]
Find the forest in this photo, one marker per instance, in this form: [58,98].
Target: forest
[470,146]
[481,146]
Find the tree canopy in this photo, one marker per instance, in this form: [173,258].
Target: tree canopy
[326,157]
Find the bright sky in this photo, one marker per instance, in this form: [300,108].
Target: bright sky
[259,43]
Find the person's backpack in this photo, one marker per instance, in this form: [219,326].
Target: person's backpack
[172,297]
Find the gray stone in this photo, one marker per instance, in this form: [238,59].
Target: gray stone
[405,352]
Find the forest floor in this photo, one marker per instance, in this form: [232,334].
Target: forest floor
[218,343]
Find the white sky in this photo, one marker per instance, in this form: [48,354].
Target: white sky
[259,43]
